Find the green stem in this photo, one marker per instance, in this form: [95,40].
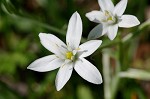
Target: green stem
[116,78]
[106,74]
[115,81]
[121,57]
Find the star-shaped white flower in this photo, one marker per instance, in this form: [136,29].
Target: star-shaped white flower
[68,56]
[110,18]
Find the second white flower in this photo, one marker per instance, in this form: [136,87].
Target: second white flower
[110,18]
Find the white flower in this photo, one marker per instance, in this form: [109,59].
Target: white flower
[110,18]
[68,56]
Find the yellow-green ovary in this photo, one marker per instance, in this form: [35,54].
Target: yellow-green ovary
[69,55]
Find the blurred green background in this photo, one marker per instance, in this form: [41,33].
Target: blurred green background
[22,20]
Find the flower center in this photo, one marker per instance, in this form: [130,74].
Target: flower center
[69,55]
[109,18]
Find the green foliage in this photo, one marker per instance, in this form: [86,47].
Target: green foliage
[22,20]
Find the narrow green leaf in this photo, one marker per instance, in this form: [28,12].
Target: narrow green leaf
[135,74]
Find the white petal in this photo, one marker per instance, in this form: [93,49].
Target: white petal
[53,44]
[63,75]
[120,7]
[46,63]
[106,5]
[97,31]
[112,31]
[128,21]
[105,29]
[95,16]
[89,47]
[74,31]
[88,71]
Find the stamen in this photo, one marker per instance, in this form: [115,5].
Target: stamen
[107,13]
[69,55]
[110,18]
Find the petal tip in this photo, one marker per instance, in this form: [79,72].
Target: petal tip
[41,34]
[112,36]
[76,13]
[100,42]
[86,14]
[28,67]
[58,85]
[100,81]
[58,89]
[129,21]
[111,39]
[138,22]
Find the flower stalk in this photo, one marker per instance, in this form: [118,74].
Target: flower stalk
[106,74]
